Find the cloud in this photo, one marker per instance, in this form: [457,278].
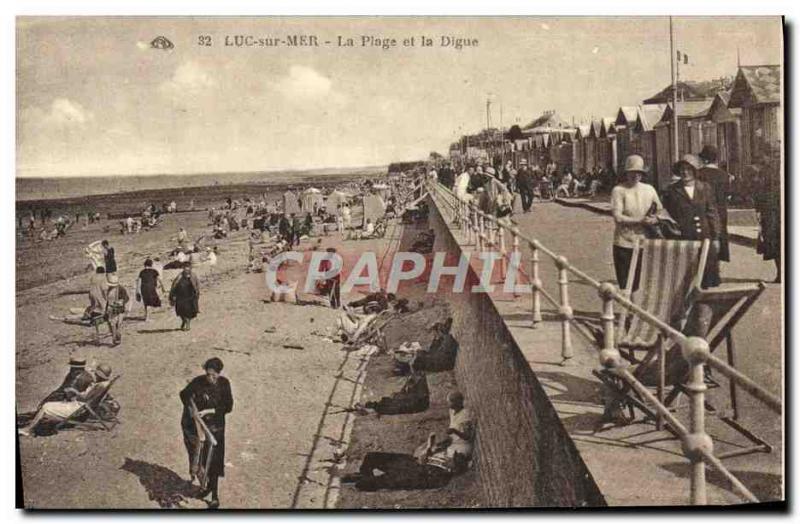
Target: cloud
[62,113]
[304,83]
[190,78]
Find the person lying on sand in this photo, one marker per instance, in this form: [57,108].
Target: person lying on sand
[432,465]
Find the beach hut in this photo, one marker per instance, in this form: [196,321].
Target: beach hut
[728,132]
[624,127]
[290,203]
[607,144]
[579,148]
[382,189]
[644,143]
[374,207]
[334,200]
[663,154]
[757,92]
[309,198]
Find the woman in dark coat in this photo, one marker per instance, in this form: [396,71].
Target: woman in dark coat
[185,296]
[213,399]
[767,202]
[692,204]
[109,257]
[147,287]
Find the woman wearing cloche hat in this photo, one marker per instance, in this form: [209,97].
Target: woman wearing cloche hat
[631,205]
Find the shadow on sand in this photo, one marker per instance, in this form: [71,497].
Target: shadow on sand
[163,485]
[152,331]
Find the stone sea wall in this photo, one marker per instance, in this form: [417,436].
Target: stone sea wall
[525,456]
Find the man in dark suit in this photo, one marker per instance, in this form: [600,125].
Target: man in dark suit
[693,206]
[525,185]
[720,182]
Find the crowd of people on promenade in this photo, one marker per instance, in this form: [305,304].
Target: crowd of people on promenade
[636,206]
[695,206]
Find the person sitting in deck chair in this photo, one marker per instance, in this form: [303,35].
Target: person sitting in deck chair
[432,464]
[350,325]
[75,396]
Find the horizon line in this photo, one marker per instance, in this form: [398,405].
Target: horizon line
[196,173]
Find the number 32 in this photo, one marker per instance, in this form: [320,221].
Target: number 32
[204,40]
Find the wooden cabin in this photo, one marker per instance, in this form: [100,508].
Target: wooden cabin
[687,112]
[728,133]
[757,92]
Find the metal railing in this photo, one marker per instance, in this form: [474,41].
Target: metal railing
[485,231]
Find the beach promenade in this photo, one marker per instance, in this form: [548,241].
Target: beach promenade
[636,464]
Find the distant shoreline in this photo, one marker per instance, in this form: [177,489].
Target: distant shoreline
[31,190]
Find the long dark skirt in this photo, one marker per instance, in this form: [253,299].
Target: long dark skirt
[186,307]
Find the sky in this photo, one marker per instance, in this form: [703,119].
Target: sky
[94,98]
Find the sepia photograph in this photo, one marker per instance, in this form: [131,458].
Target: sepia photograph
[399,262]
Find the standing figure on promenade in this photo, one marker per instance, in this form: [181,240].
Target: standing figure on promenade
[631,202]
[693,206]
[720,182]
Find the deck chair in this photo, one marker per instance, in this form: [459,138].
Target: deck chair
[93,415]
[670,277]
[204,448]
[719,310]
[710,313]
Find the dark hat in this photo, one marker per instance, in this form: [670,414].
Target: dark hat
[456,396]
[77,362]
[709,153]
[103,371]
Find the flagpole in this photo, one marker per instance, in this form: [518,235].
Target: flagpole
[675,154]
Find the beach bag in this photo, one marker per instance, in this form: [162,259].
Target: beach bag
[115,305]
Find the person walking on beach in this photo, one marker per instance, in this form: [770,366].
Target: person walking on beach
[146,288]
[209,398]
[116,299]
[109,257]
[346,216]
[184,294]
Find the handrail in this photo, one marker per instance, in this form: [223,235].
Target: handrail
[696,443]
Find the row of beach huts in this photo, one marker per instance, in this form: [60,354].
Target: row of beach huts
[740,115]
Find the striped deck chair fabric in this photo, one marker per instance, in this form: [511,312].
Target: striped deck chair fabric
[670,271]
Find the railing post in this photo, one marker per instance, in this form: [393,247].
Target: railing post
[475,226]
[695,350]
[536,285]
[565,311]
[464,219]
[502,247]
[609,354]
[481,230]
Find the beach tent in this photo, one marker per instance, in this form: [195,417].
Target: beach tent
[374,208]
[382,189]
[310,197]
[290,203]
[334,200]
